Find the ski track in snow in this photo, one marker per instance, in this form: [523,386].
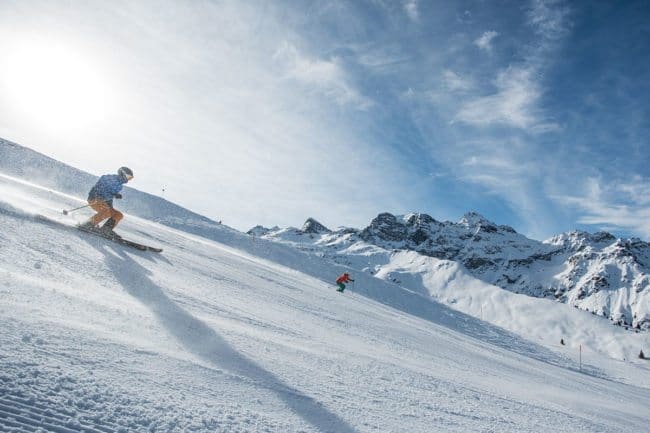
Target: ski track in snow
[207,337]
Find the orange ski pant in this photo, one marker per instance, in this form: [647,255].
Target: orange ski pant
[104,211]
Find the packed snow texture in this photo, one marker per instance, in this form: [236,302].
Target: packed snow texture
[230,332]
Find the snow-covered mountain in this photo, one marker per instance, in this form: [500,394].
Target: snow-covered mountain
[229,332]
[597,272]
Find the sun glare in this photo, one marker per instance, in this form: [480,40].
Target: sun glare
[55,86]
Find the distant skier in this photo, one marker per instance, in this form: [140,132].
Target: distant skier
[100,198]
[340,281]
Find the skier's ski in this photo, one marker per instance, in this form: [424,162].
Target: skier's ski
[121,240]
[51,221]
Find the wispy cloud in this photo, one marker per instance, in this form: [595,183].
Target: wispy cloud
[499,171]
[548,18]
[613,205]
[455,82]
[411,8]
[515,102]
[501,158]
[484,42]
[327,76]
[385,58]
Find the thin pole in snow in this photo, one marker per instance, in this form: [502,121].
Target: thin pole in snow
[581,357]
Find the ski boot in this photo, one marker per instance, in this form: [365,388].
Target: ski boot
[107,229]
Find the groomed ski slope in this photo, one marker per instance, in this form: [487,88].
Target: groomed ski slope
[208,337]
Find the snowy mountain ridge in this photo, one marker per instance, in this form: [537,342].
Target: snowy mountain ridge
[595,272]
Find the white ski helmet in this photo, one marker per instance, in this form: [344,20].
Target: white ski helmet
[125,172]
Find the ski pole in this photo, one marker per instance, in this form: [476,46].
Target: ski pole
[65,212]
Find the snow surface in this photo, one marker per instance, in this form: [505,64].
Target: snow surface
[228,332]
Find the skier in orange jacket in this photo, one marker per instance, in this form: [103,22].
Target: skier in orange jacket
[345,278]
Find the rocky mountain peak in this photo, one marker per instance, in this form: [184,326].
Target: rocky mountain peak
[474,220]
[419,219]
[578,240]
[261,230]
[386,227]
[313,226]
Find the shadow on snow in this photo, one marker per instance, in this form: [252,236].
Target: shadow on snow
[204,342]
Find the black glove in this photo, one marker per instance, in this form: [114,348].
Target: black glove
[118,196]
[352,280]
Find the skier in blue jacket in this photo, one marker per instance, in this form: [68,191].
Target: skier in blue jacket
[100,198]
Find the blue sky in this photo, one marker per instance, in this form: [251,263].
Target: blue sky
[534,114]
